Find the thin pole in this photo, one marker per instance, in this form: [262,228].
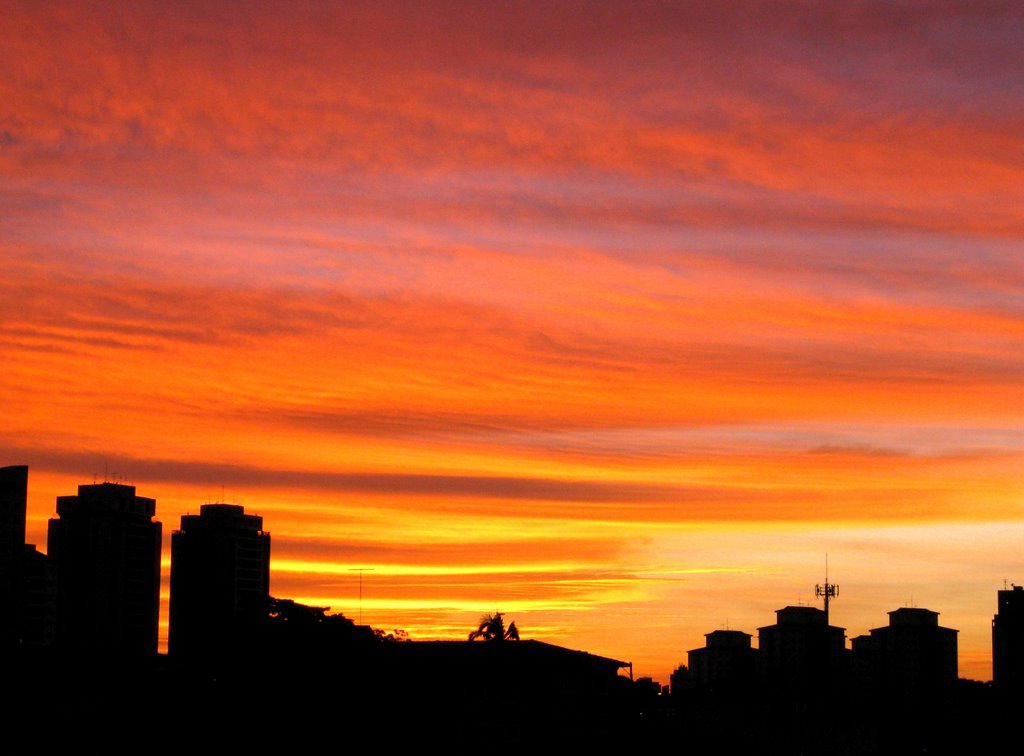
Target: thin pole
[360,570]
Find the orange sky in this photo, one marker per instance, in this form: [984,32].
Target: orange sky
[615,317]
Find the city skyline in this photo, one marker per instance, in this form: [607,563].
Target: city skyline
[224,564]
[606,316]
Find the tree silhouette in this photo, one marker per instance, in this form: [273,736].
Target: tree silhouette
[492,628]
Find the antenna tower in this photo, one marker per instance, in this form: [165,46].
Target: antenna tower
[826,591]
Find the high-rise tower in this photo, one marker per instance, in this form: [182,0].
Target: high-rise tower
[13,496]
[220,579]
[909,665]
[105,546]
[1008,644]
[803,657]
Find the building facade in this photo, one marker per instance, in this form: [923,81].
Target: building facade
[13,498]
[802,657]
[105,548]
[220,579]
[727,660]
[1008,643]
[908,666]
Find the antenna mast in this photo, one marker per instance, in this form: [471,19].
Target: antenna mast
[360,570]
[827,591]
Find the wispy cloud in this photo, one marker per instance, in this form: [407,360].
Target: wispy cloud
[521,273]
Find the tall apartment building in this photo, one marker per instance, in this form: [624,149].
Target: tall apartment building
[802,657]
[13,497]
[1008,643]
[105,547]
[220,579]
[727,660]
[908,666]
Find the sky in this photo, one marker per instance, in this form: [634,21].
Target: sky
[615,317]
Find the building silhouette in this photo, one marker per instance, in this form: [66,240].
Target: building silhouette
[26,576]
[910,666]
[37,610]
[13,498]
[1008,644]
[13,495]
[726,661]
[220,579]
[105,547]
[802,657]
[525,672]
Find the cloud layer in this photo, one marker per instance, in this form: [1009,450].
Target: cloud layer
[541,290]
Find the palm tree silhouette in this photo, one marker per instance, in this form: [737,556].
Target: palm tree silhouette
[492,628]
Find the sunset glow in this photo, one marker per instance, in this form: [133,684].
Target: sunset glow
[613,317]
